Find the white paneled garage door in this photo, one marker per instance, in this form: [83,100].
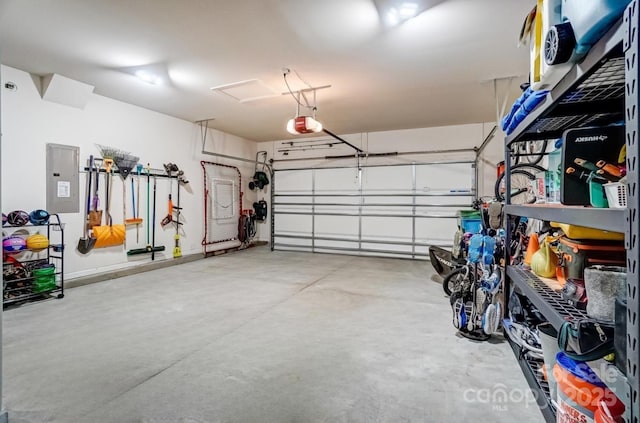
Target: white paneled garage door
[386,210]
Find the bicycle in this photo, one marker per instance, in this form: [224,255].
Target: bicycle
[528,152]
[522,177]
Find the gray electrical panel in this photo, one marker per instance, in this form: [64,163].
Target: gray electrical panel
[62,179]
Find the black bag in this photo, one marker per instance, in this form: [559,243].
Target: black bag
[586,339]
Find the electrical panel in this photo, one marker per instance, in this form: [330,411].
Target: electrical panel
[62,179]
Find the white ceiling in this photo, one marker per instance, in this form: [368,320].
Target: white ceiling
[436,69]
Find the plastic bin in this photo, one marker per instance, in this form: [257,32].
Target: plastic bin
[470,220]
[616,193]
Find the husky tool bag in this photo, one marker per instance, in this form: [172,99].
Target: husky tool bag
[576,255]
[590,158]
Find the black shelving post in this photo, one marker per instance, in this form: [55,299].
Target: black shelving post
[630,45]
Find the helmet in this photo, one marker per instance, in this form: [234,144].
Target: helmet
[18,218]
[37,242]
[39,217]
[13,244]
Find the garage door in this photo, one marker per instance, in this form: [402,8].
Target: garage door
[386,210]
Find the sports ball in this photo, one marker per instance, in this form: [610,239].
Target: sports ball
[39,217]
[37,242]
[4,219]
[18,218]
[13,244]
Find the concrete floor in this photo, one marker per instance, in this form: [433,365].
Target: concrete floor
[257,336]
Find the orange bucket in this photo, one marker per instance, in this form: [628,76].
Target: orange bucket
[580,392]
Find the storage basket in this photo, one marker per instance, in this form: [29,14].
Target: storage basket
[616,193]
[44,279]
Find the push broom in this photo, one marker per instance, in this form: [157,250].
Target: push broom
[150,248]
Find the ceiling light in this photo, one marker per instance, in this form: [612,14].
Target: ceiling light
[303,125]
[408,10]
[395,12]
[392,16]
[149,77]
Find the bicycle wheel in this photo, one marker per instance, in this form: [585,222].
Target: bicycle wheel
[454,280]
[521,192]
[534,151]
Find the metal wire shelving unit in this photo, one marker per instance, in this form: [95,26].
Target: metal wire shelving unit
[600,90]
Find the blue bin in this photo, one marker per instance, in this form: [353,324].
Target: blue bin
[471,224]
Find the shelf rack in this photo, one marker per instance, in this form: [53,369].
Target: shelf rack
[54,253]
[591,94]
[600,90]
[531,369]
[606,219]
[547,301]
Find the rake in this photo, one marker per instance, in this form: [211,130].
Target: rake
[125,163]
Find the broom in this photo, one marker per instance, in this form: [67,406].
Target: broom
[125,163]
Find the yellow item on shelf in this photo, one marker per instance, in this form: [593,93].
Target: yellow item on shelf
[37,242]
[581,232]
[544,261]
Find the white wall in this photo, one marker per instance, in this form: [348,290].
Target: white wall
[29,123]
[410,140]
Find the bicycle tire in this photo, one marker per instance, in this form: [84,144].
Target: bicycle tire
[529,167]
[538,153]
[448,285]
[519,195]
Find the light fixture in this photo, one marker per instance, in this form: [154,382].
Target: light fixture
[149,73]
[149,77]
[395,12]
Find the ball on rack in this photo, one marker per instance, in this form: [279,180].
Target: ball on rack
[13,244]
[4,219]
[39,217]
[18,218]
[37,242]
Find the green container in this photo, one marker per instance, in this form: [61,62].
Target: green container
[471,214]
[44,279]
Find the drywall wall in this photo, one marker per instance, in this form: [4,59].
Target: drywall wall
[423,143]
[29,123]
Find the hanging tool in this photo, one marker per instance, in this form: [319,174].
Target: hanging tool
[125,162]
[153,236]
[109,235]
[260,178]
[95,215]
[86,244]
[177,250]
[135,220]
[150,248]
[137,206]
[170,168]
